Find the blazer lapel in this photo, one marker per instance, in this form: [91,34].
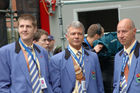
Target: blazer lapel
[22,62]
[134,62]
[87,69]
[132,70]
[119,65]
[41,63]
[70,69]
[70,66]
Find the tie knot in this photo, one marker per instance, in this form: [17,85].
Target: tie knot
[30,48]
[79,53]
[125,53]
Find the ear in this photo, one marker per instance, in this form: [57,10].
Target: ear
[34,41]
[35,30]
[66,36]
[96,36]
[135,30]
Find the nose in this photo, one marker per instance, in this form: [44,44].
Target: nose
[47,42]
[77,35]
[25,28]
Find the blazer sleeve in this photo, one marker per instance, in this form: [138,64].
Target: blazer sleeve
[99,76]
[4,73]
[115,80]
[47,71]
[55,77]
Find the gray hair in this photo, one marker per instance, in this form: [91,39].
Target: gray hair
[132,24]
[76,24]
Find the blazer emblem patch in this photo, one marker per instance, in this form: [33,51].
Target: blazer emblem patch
[93,75]
[138,78]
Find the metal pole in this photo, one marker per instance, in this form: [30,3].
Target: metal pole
[5,11]
[12,21]
[61,24]
[87,1]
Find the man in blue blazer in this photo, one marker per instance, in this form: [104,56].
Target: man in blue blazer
[15,68]
[72,73]
[127,73]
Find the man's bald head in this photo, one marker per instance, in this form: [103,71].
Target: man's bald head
[127,22]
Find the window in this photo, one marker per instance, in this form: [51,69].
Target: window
[108,18]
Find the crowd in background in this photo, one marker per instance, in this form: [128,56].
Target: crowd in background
[34,65]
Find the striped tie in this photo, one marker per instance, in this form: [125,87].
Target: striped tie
[79,87]
[124,77]
[34,73]
[79,54]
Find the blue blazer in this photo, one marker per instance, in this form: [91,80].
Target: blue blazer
[14,74]
[63,77]
[133,84]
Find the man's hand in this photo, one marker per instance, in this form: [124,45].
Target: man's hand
[98,48]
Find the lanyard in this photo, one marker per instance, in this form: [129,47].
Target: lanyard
[26,49]
[124,58]
[78,60]
[34,59]
[30,53]
[87,43]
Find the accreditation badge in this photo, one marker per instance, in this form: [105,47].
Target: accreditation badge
[83,83]
[42,83]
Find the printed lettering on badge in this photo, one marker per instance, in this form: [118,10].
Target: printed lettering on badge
[43,83]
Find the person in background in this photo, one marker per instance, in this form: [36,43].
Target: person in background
[40,38]
[75,70]
[57,50]
[127,63]
[95,31]
[24,65]
[50,45]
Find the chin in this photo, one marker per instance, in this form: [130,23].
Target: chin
[77,46]
[25,38]
[123,43]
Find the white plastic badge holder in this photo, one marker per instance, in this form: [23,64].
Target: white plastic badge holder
[43,83]
[83,83]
